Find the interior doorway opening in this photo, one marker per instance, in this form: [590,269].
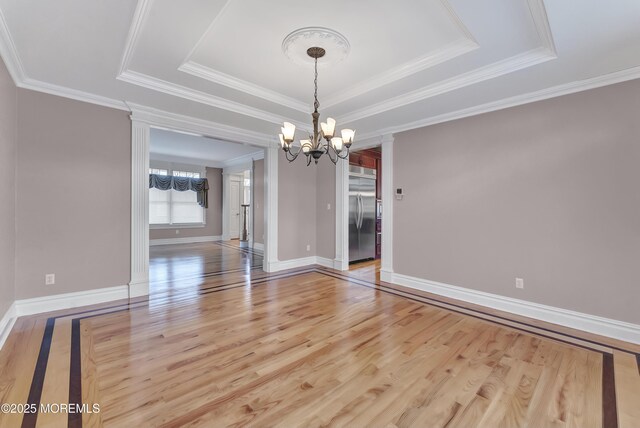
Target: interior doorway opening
[365,205]
[240,208]
[185,223]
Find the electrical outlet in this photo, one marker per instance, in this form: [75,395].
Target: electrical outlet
[308,247]
[328,207]
[49,279]
[519,283]
[177,232]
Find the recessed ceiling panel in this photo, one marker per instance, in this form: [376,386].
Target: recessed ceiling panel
[244,40]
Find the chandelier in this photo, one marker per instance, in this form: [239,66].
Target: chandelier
[314,147]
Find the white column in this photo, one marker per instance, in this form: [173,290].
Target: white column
[341,261]
[386,268]
[139,285]
[252,202]
[270,261]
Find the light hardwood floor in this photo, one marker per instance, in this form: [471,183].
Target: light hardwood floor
[221,343]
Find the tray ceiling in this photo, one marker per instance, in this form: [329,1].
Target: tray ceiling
[410,62]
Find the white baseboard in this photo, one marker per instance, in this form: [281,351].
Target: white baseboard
[258,247]
[594,324]
[305,261]
[6,323]
[292,264]
[187,240]
[323,261]
[57,302]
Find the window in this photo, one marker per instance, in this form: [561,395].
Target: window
[170,207]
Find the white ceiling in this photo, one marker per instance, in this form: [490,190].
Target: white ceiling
[197,150]
[411,62]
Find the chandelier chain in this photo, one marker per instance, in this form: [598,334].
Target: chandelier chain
[316,103]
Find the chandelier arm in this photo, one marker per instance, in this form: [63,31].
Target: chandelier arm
[345,155]
[292,156]
[335,156]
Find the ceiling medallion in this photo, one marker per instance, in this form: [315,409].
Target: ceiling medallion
[295,45]
[313,148]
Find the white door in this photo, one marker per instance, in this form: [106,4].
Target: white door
[234,207]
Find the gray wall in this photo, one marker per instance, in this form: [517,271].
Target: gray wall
[303,218]
[73,182]
[8,122]
[213,213]
[258,201]
[296,209]
[326,218]
[549,192]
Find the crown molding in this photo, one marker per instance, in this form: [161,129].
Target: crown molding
[203,72]
[173,121]
[9,53]
[424,62]
[491,71]
[74,94]
[137,23]
[543,94]
[169,88]
[546,52]
[432,59]
[541,22]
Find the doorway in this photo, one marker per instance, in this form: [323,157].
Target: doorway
[379,211]
[144,121]
[235,186]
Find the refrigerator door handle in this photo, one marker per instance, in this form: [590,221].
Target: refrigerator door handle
[360,211]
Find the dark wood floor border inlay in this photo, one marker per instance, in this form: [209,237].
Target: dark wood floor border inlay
[609,403]
[609,411]
[37,382]
[75,375]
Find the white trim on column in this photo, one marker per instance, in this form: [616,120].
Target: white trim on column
[7,322]
[252,199]
[270,261]
[140,136]
[341,262]
[225,206]
[386,267]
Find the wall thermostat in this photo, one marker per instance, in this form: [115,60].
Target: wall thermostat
[399,193]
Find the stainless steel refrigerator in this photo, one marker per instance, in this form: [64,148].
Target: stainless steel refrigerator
[362,213]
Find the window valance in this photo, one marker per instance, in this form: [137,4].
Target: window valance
[182,184]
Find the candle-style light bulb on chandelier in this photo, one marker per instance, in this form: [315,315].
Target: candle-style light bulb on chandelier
[314,147]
